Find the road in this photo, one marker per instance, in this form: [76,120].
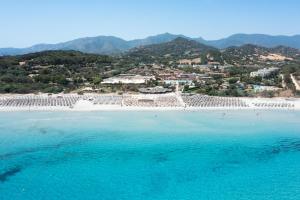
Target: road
[296,83]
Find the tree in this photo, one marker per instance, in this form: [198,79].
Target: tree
[97,80]
[233,80]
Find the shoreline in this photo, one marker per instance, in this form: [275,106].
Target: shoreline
[142,109]
[127,102]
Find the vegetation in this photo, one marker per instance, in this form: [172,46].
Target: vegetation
[56,71]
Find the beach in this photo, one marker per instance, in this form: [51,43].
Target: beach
[136,102]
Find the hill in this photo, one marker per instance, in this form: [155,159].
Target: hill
[182,48]
[256,55]
[171,51]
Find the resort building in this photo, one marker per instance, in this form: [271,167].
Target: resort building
[155,90]
[265,72]
[259,88]
[178,82]
[128,79]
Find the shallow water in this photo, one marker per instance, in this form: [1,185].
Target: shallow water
[150,155]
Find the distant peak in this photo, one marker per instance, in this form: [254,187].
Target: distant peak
[166,33]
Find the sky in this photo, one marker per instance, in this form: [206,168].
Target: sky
[27,22]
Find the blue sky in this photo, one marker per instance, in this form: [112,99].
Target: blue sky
[27,22]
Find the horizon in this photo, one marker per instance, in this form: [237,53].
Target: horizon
[51,22]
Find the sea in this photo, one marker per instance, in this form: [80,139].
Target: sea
[150,155]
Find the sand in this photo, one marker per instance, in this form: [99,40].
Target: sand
[86,105]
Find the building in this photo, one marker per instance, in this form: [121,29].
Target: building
[214,65]
[128,79]
[155,90]
[217,74]
[265,72]
[178,82]
[260,88]
[191,76]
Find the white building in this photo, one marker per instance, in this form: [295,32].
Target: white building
[260,88]
[178,82]
[265,72]
[128,79]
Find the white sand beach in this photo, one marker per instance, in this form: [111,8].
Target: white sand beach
[163,102]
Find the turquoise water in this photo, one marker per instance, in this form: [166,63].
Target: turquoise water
[150,155]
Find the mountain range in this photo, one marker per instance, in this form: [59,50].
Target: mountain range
[114,45]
